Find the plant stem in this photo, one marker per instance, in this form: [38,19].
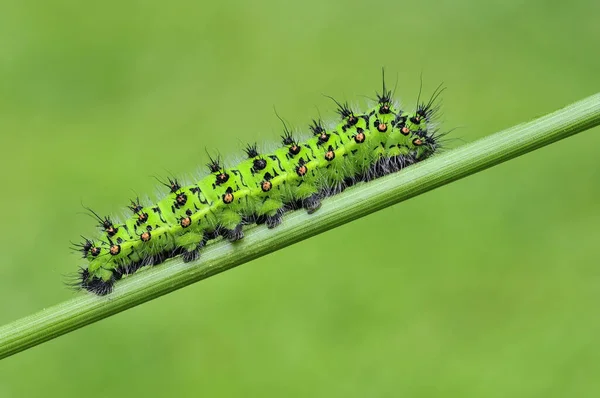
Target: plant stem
[345,207]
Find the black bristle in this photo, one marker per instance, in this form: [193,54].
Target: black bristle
[135,206]
[287,138]
[385,98]
[214,165]
[251,151]
[316,127]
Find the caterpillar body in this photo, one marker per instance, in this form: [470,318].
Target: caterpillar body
[260,189]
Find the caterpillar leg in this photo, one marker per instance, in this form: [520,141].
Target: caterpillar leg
[275,219]
[312,203]
[231,226]
[100,284]
[188,245]
[194,254]
[254,219]
[380,168]
[234,234]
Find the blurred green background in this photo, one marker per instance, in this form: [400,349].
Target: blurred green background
[486,287]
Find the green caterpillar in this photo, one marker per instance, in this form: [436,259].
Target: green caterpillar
[260,189]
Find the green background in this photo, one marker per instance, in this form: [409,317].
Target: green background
[485,287]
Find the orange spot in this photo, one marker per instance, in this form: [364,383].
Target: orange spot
[115,249]
[145,236]
[359,138]
[302,170]
[266,186]
[186,222]
[405,130]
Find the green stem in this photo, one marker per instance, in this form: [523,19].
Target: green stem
[349,205]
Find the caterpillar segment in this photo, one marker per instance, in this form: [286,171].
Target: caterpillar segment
[261,188]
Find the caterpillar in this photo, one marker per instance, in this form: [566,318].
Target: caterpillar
[260,189]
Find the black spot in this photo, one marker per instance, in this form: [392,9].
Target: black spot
[110,229]
[323,138]
[295,149]
[352,120]
[384,109]
[142,218]
[221,178]
[180,200]
[258,165]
